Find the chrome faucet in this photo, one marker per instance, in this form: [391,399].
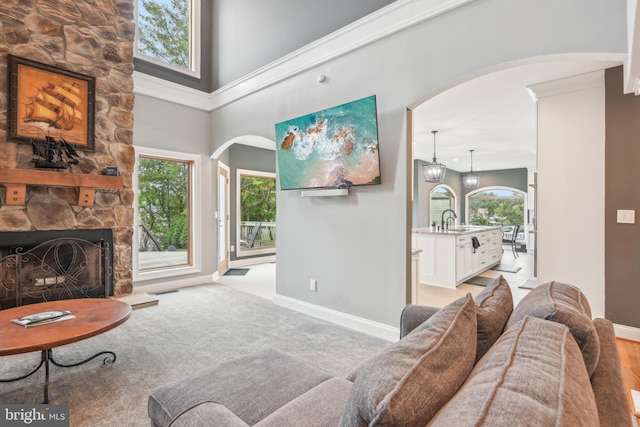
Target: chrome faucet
[452,215]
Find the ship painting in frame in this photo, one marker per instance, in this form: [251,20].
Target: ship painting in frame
[49,102]
[333,148]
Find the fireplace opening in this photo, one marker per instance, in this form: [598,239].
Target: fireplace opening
[38,266]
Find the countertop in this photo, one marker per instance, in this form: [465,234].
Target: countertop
[458,230]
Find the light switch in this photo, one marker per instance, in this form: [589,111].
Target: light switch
[626,216]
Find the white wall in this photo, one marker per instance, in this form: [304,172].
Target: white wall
[570,211]
[357,247]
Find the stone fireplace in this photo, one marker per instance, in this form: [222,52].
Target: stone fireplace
[38,266]
[93,38]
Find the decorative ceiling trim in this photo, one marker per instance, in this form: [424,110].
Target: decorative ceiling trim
[144,84]
[567,85]
[385,22]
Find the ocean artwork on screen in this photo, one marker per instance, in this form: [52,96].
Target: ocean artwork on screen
[332,148]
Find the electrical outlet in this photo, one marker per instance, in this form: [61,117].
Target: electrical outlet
[313,285]
[232,248]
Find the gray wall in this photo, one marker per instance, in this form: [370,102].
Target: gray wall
[421,209]
[250,34]
[245,157]
[622,241]
[357,247]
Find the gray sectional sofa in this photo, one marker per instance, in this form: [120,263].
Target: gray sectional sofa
[476,362]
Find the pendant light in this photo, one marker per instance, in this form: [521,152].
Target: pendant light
[434,172]
[471,181]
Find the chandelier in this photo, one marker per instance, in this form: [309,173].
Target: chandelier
[471,181]
[434,172]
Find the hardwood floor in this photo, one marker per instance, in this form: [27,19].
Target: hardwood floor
[630,358]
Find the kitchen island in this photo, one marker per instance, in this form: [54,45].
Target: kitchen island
[449,257]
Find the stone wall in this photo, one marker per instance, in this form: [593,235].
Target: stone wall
[94,38]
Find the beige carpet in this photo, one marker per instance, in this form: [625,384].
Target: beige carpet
[187,332]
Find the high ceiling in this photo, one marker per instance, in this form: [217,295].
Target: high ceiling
[495,115]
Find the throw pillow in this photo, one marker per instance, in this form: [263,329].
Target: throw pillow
[566,304]
[533,375]
[409,381]
[494,305]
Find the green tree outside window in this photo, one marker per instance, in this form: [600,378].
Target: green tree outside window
[163,205]
[164,31]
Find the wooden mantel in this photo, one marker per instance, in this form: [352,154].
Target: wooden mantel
[16,181]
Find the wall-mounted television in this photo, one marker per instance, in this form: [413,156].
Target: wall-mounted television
[332,148]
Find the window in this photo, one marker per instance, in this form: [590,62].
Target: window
[168,34]
[165,243]
[256,213]
[496,206]
[442,198]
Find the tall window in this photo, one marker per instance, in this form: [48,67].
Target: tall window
[165,214]
[256,212]
[442,198]
[168,34]
[496,206]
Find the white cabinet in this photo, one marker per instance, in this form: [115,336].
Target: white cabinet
[495,246]
[449,258]
[464,257]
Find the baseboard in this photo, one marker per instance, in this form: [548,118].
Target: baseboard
[171,285]
[627,332]
[359,324]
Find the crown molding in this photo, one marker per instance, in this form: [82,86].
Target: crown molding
[567,85]
[145,84]
[396,17]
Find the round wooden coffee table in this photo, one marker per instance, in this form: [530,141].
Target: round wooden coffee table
[93,316]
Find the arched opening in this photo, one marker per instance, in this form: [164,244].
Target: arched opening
[493,113]
[245,214]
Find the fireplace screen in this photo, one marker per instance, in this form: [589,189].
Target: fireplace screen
[62,268]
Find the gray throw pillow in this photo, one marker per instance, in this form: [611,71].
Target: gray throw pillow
[409,381]
[533,375]
[566,304]
[493,308]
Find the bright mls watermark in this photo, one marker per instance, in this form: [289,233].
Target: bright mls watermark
[34,415]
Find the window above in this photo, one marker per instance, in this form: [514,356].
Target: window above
[168,34]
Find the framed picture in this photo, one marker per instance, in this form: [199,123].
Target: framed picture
[50,101]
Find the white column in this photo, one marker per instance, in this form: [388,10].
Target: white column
[570,187]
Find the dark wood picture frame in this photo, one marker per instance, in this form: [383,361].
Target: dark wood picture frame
[49,101]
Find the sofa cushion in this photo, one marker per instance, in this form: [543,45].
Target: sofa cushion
[566,304]
[494,305]
[202,413]
[607,381]
[413,315]
[321,406]
[251,387]
[410,380]
[533,374]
